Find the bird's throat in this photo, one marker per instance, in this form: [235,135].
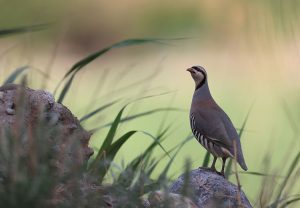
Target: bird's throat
[200,84]
[202,92]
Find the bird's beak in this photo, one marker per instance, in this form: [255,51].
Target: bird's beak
[190,70]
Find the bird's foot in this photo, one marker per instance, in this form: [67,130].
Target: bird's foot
[217,172]
[213,170]
[208,169]
[221,173]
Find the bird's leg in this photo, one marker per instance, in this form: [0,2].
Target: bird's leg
[213,167]
[223,166]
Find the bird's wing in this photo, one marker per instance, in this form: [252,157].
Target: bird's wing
[233,135]
[215,124]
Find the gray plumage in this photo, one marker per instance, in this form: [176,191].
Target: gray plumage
[210,124]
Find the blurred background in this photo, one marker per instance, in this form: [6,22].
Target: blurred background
[250,50]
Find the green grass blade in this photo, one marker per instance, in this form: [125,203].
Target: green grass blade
[148,168]
[153,166]
[20,30]
[163,174]
[98,110]
[283,202]
[289,202]
[111,134]
[88,59]
[124,43]
[130,42]
[151,187]
[228,168]
[109,138]
[12,77]
[111,153]
[133,165]
[154,185]
[156,142]
[258,174]
[206,159]
[65,89]
[129,118]
[143,158]
[290,171]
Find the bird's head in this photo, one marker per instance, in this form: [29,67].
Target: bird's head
[199,75]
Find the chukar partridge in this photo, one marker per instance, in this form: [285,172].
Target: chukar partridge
[210,125]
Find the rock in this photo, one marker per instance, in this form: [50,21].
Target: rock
[209,189]
[20,105]
[48,149]
[162,199]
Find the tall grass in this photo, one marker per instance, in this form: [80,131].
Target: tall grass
[29,178]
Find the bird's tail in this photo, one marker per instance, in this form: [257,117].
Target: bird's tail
[242,162]
[240,158]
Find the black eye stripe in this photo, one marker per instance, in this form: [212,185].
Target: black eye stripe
[199,69]
[196,68]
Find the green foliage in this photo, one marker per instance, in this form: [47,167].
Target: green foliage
[85,61]
[91,57]
[50,177]
[36,172]
[98,110]
[138,115]
[20,30]
[279,199]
